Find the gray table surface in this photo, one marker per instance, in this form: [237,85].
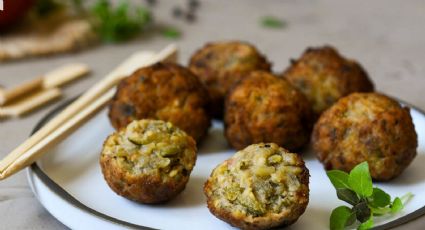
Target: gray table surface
[387,37]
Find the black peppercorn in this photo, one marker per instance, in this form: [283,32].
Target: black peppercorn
[177,12]
[190,17]
[193,4]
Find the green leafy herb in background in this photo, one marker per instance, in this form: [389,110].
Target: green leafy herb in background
[367,201]
[112,23]
[171,32]
[272,22]
[121,22]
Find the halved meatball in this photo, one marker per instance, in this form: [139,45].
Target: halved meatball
[149,161]
[324,76]
[164,91]
[260,187]
[221,64]
[366,127]
[266,108]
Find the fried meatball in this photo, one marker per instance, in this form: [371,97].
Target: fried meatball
[149,161]
[266,108]
[164,91]
[366,127]
[260,187]
[324,76]
[219,65]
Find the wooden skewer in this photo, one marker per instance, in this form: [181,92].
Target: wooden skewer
[52,79]
[9,94]
[30,102]
[137,60]
[57,135]
[64,74]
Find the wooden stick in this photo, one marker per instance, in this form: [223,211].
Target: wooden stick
[30,102]
[25,91]
[52,79]
[8,95]
[64,74]
[57,135]
[135,61]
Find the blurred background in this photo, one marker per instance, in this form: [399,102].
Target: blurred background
[386,36]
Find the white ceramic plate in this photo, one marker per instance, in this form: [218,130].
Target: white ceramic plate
[68,182]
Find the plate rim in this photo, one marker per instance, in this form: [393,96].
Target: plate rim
[35,170]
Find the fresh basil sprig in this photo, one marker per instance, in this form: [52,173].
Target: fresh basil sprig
[367,201]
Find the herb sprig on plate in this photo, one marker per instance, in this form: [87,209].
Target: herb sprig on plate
[366,201]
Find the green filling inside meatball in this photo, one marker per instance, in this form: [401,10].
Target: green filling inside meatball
[258,180]
[152,147]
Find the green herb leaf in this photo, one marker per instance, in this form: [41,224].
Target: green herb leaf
[360,180]
[171,32]
[406,197]
[144,15]
[380,198]
[367,224]
[338,178]
[341,217]
[397,205]
[356,188]
[380,211]
[351,219]
[120,23]
[347,195]
[362,211]
[272,22]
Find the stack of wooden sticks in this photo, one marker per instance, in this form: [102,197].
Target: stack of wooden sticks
[30,95]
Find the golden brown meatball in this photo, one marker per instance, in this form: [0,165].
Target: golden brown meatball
[324,76]
[219,65]
[266,108]
[149,161]
[164,91]
[260,187]
[366,127]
